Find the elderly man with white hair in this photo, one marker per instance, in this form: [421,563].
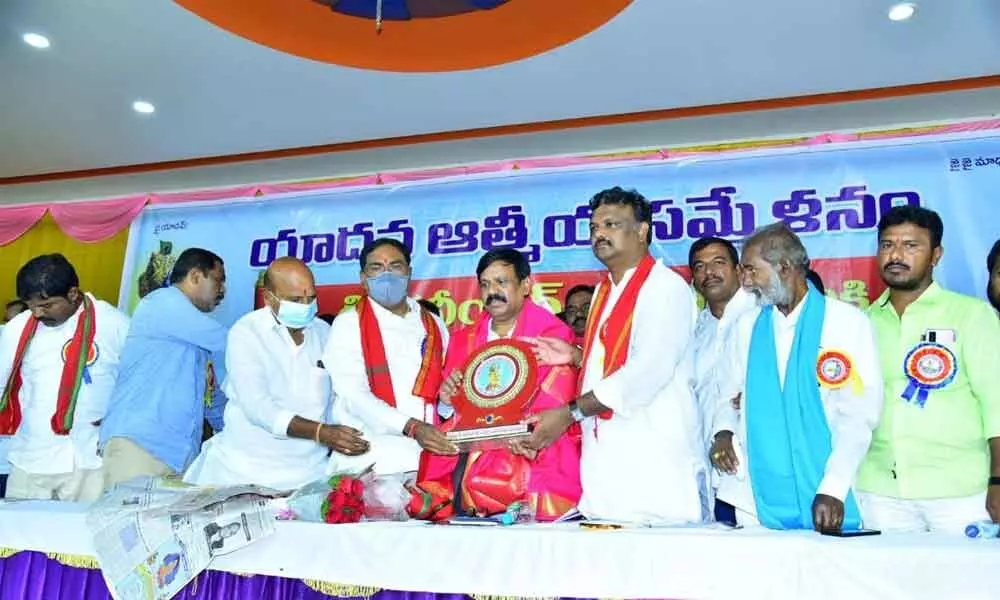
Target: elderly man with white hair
[808,371]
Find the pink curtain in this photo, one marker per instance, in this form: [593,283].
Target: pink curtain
[242,191]
[16,220]
[99,220]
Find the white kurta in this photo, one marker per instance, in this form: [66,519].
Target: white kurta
[355,405]
[644,464]
[712,341]
[851,416]
[269,380]
[35,448]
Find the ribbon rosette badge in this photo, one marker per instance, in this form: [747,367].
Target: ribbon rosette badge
[835,369]
[928,367]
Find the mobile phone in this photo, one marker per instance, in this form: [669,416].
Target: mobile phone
[852,533]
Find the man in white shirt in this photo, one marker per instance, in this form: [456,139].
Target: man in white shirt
[385,359]
[278,393]
[13,308]
[715,275]
[808,372]
[641,460]
[58,364]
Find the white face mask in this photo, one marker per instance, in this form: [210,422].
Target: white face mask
[295,315]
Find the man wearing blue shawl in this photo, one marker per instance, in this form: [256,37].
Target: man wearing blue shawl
[808,371]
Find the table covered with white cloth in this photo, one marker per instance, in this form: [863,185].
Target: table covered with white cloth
[564,560]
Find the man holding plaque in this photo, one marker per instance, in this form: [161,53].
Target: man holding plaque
[934,461]
[642,460]
[493,479]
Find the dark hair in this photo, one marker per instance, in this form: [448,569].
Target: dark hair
[993,256]
[641,209]
[46,276]
[510,256]
[375,244]
[702,243]
[326,318]
[429,306]
[578,288]
[817,281]
[923,218]
[191,259]
[14,303]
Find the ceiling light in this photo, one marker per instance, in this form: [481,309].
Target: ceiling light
[902,11]
[143,107]
[36,40]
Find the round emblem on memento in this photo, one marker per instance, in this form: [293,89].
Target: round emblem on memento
[932,366]
[92,355]
[496,376]
[833,368]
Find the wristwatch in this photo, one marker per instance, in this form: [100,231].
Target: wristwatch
[994,481]
[575,412]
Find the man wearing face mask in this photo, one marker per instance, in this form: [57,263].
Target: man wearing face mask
[385,359]
[805,366]
[58,363]
[279,394]
[640,460]
[550,479]
[934,462]
[155,419]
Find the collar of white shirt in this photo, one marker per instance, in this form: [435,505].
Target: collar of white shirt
[792,319]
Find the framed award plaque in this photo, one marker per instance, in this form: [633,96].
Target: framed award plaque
[498,384]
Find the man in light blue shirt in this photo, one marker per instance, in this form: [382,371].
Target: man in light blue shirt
[154,421]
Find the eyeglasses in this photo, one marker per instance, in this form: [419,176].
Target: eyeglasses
[375,269]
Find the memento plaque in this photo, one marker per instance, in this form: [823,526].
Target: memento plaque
[498,384]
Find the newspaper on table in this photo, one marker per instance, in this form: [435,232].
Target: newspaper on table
[153,536]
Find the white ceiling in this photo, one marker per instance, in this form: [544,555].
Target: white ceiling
[68,107]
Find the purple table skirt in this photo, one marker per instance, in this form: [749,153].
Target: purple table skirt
[34,576]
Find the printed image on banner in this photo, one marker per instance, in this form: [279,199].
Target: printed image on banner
[833,197]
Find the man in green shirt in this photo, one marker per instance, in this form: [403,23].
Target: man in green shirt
[934,460]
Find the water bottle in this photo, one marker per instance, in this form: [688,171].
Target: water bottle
[983,530]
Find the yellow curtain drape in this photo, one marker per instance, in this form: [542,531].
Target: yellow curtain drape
[98,265]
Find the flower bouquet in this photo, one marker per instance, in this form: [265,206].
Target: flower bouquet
[336,499]
[345,502]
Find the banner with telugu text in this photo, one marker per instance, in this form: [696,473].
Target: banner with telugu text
[832,196]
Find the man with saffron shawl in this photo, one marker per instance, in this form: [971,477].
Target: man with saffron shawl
[492,480]
[640,460]
[58,364]
[807,367]
[385,360]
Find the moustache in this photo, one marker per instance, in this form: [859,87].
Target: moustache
[495,298]
[711,280]
[895,264]
[602,243]
[580,321]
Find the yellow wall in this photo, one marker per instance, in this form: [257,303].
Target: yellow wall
[98,265]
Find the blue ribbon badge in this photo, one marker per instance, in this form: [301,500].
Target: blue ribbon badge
[928,366]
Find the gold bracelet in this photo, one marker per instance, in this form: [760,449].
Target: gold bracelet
[319,427]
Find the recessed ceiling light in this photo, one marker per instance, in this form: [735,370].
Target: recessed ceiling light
[36,40]
[143,107]
[902,11]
